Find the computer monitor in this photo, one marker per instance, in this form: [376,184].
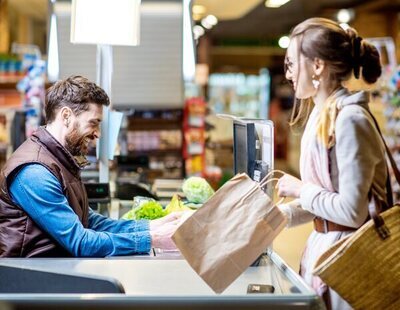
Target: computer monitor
[244,151]
[253,147]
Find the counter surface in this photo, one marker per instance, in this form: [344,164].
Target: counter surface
[146,276]
[166,278]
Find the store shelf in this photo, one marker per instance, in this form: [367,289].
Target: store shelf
[8,85]
[154,144]
[156,152]
[12,85]
[154,124]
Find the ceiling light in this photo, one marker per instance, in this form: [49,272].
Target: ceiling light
[284,42]
[196,17]
[275,3]
[345,26]
[198,31]
[199,9]
[88,24]
[345,15]
[206,24]
[211,19]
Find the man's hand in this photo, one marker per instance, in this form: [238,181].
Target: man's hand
[289,186]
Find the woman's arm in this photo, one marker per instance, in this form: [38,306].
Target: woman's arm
[295,214]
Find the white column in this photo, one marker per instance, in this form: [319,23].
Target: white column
[104,77]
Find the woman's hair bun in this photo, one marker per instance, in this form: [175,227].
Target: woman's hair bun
[365,57]
[370,62]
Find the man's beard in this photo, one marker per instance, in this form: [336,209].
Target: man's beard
[76,143]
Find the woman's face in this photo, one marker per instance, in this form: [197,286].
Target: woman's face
[299,71]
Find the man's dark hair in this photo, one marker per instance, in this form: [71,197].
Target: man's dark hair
[75,92]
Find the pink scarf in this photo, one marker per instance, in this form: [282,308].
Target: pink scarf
[314,160]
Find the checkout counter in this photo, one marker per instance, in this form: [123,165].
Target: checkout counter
[156,281]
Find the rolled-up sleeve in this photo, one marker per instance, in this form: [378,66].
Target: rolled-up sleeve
[295,214]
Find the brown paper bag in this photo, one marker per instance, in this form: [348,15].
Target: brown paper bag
[229,232]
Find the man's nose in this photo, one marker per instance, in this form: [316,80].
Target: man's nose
[96,134]
[288,75]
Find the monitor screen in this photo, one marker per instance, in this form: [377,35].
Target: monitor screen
[240,147]
[244,147]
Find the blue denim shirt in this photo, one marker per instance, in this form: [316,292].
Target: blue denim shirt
[38,192]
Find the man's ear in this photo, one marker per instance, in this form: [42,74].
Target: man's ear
[66,114]
[318,66]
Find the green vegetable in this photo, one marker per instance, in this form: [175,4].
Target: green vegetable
[130,215]
[197,190]
[149,210]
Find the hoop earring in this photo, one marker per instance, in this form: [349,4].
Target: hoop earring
[315,81]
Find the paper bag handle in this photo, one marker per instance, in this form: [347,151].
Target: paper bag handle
[264,181]
[270,180]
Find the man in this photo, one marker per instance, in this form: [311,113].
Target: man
[43,204]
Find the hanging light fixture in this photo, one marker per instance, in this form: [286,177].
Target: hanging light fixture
[284,42]
[345,15]
[104,22]
[275,3]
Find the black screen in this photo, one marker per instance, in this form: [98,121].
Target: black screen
[240,147]
[244,149]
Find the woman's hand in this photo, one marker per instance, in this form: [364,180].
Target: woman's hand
[289,186]
[162,229]
[162,237]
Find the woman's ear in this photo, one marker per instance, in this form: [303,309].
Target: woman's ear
[318,66]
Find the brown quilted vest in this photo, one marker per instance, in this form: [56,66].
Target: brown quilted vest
[19,235]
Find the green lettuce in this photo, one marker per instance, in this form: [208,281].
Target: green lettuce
[149,210]
[197,190]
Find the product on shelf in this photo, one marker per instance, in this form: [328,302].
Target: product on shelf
[146,140]
[155,135]
[194,136]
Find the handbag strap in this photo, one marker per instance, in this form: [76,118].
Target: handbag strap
[373,209]
[396,171]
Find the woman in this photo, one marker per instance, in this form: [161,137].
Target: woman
[342,154]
